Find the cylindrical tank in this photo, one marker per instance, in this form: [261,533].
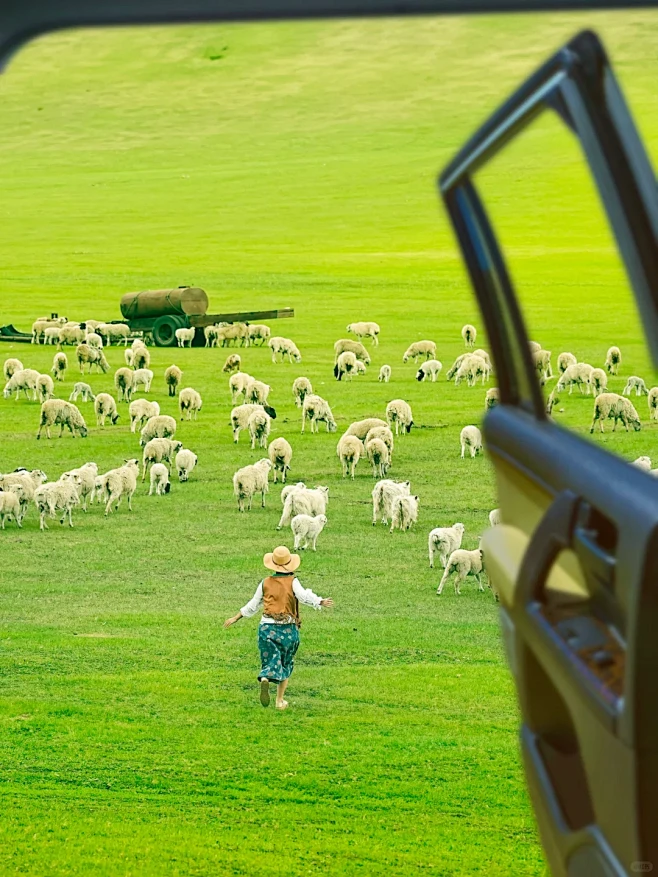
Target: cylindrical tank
[162,302]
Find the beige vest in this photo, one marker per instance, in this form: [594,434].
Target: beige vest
[279,601]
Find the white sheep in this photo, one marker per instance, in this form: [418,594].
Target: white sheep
[553,399]
[142,377]
[72,334]
[454,368]
[464,563]
[495,517]
[159,450]
[39,326]
[232,364]
[290,488]
[105,406]
[431,368]
[90,325]
[57,496]
[365,330]
[643,463]
[185,336]
[542,362]
[259,332]
[60,364]
[598,380]
[652,401]
[491,398]
[356,347]
[90,356]
[349,451]
[384,374]
[238,384]
[129,356]
[141,358]
[186,461]
[173,376]
[114,332]
[160,426]
[304,501]
[361,368]
[306,530]
[259,425]
[404,512]
[398,412]
[25,380]
[613,406]
[11,366]
[28,483]
[383,433]
[280,454]
[240,417]
[613,360]
[578,375]
[10,506]
[443,541]
[140,411]
[189,401]
[159,478]
[57,411]
[471,438]
[564,360]
[637,384]
[82,389]
[469,334]
[420,349]
[251,480]
[123,382]
[316,409]
[285,347]
[211,334]
[45,388]
[378,454]
[84,479]
[345,365]
[383,494]
[471,368]
[301,387]
[118,483]
[534,346]
[51,335]
[93,339]
[483,355]
[256,392]
[236,332]
[361,428]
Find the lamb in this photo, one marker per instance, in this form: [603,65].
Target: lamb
[383,433]
[384,374]
[251,480]
[431,368]
[383,494]
[160,426]
[232,363]
[420,349]
[186,460]
[611,405]
[613,360]
[93,339]
[91,356]
[256,392]
[652,401]
[123,381]
[642,463]
[637,384]
[129,356]
[553,399]
[301,388]
[189,401]
[345,365]
[360,368]
[84,479]
[398,412]
[564,360]
[378,454]
[233,332]
[454,368]
[464,563]
[349,451]
[365,330]
[159,476]
[542,362]
[404,512]
[443,541]
[316,410]
[60,364]
[472,367]
[346,345]
[185,336]
[598,380]
[25,380]
[140,411]
[173,376]
[259,332]
[492,398]
[71,334]
[142,377]
[45,388]
[39,326]
[159,450]
[58,496]
[471,438]
[290,488]
[141,358]
[304,501]
[361,428]
[579,375]
[469,335]
[51,335]
[280,454]
[12,366]
[105,407]
[10,505]
[240,417]
[238,384]
[90,325]
[285,347]
[495,518]
[306,530]
[114,331]
[57,411]
[258,425]
[118,483]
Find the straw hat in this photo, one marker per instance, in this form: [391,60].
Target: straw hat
[281,560]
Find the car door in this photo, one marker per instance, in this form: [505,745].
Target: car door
[575,563]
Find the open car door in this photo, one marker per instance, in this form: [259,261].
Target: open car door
[576,561]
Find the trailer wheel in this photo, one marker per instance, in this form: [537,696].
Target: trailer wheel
[164,330]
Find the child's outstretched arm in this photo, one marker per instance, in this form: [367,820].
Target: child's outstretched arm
[250,609]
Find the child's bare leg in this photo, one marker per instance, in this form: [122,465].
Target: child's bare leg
[280,691]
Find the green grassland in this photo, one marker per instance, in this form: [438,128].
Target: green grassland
[279,165]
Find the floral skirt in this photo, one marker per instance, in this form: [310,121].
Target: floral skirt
[278,644]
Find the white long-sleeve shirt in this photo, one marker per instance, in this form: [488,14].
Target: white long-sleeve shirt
[304,595]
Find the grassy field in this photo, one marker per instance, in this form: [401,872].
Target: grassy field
[279,165]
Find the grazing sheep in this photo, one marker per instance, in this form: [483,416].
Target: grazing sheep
[60,364]
[259,332]
[91,356]
[159,450]
[534,346]
[251,480]
[579,375]
[469,335]
[256,392]
[652,401]
[349,451]
[232,364]
[57,411]
[12,366]
[90,325]
[471,438]
[483,355]
[129,356]
[258,425]
[378,454]
[114,332]
[10,506]
[189,401]
[365,330]
[233,332]
[45,388]
[240,417]
[643,463]
[238,384]
[140,411]
[159,476]
[290,488]
[173,376]
[93,339]
[301,387]
[398,412]
[346,345]
[185,336]
[186,460]
[495,518]
[637,384]
[306,530]
[118,483]
[472,367]
[454,368]
[280,454]
[25,380]
[599,381]
[383,433]
[360,368]
[84,479]
[361,428]
[304,501]
[123,381]
[553,399]
[420,349]
[404,512]
[611,405]
[316,410]
[141,358]
[613,360]
[345,365]
[464,563]
[105,406]
[542,362]
[431,368]
[71,335]
[160,426]
[492,398]
[564,360]
[142,377]
[285,347]
[58,496]
[211,334]
[383,494]
[384,374]
[443,541]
